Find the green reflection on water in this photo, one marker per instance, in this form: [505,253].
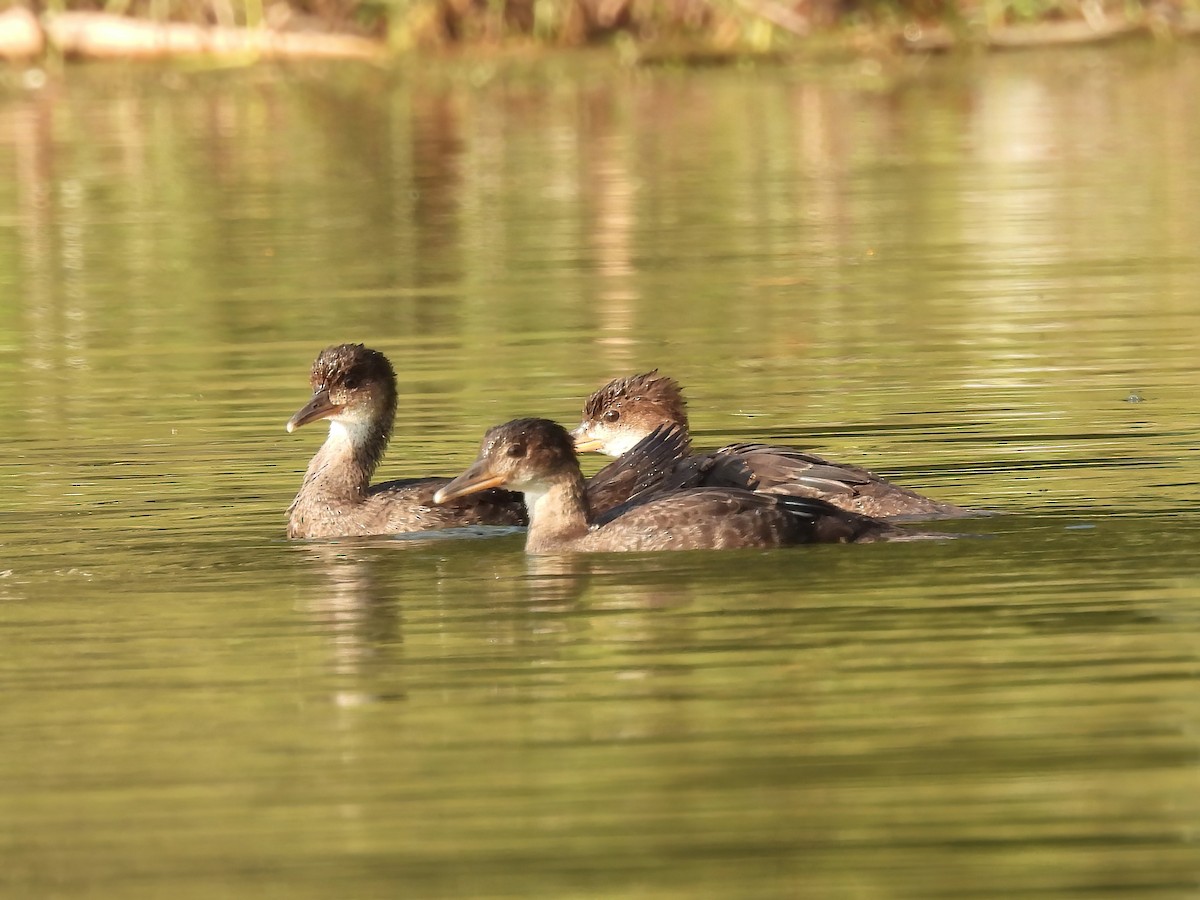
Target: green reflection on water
[959,280]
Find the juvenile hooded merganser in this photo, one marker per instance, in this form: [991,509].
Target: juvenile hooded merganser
[623,412]
[355,389]
[537,457]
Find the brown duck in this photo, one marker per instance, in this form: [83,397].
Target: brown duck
[354,388]
[625,411]
[537,457]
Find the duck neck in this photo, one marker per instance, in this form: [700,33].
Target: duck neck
[558,512]
[341,470]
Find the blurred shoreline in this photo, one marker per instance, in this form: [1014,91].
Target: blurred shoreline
[683,32]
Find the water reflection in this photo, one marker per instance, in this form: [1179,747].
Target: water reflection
[362,622]
[363,596]
[956,279]
[779,273]
[553,579]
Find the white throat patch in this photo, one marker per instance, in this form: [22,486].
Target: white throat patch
[534,495]
[351,433]
[621,443]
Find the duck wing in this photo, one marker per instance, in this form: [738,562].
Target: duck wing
[772,469]
[640,472]
[725,518]
[407,505]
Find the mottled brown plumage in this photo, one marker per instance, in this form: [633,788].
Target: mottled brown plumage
[626,410]
[650,466]
[537,458]
[355,389]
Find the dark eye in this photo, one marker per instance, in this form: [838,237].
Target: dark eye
[515,450]
[611,415]
[351,383]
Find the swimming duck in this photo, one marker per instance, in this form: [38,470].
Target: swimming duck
[623,412]
[354,388]
[537,457]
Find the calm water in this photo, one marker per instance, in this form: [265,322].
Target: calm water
[961,274]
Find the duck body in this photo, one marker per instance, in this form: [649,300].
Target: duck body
[354,388]
[537,457]
[712,518]
[773,469]
[396,507]
[325,508]
[624,412]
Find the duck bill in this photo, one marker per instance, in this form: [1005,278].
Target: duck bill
[584,442]
[475,479]
[319,407]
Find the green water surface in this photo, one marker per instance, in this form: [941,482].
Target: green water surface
[980,277]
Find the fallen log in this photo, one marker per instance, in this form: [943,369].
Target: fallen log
[102,36]
[1015,37]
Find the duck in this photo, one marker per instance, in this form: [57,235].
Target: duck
[354,390]
[618,416]
[537,457]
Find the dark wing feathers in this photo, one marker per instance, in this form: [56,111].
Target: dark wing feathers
[642,471]
[782,469]
[660,464]
[832,525]
[407,505]
[772,469]
[719,517]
